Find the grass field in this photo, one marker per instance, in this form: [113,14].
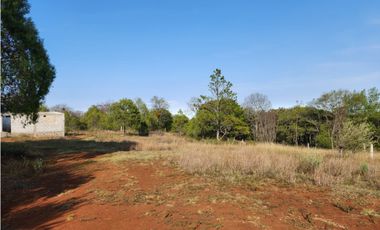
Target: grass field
[105,180]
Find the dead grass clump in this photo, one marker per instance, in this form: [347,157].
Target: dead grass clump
[334,171]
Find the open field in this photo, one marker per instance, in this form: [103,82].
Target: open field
[104,180]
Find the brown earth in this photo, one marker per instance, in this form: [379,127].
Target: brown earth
[84,190]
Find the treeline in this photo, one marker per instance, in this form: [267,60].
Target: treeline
[337,119]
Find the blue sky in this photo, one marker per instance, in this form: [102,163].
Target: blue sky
[289,50]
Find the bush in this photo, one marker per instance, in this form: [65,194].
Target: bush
[323,138]
[309,163]
[353,136]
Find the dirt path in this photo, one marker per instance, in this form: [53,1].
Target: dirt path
[87,191]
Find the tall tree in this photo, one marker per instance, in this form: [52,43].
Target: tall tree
[255,107]
[159,103]
[335,103]
[26,72]
[163,119]
[219,101]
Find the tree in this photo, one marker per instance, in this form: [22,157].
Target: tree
[26,72]
[257,102]
[232,124]
[94,118]
[125,114]
[218,102]
[163,119]
[353,136]
[255,106]
[334,102]
[300,125]
[159,103]
[143,109]
[180,121]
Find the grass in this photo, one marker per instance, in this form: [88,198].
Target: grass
[225,161]
[282,163]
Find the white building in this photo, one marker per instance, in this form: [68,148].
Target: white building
[48,124]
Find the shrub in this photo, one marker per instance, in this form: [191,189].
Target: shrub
[353,136]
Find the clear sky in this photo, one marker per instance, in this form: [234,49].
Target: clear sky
[289,50]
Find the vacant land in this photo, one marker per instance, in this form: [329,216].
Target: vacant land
[104,180]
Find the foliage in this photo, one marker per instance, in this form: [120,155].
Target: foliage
[218,103]
[180,121]
[231,123]
[125,114]
[322,140]
[143,129]
[26,72]
[161,119]
[299,125]
[73,121]
[94,118]
[143,109]
[353,136]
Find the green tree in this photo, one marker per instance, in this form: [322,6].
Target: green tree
[301,125]
[126,114]
[180,121]
[161,119]
[232,123]
[26,72]
[94,118]
[219,101]
[334,102]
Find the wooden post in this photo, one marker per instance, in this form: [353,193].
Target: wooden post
[371,150]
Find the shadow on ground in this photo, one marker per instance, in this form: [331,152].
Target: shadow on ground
[34,170]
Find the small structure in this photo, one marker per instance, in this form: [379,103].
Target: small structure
[48,124]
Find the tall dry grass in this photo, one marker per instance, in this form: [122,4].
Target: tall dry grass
[285,163]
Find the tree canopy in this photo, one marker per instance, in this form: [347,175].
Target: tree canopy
[26,71]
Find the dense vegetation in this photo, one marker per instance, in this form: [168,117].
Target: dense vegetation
[337,119]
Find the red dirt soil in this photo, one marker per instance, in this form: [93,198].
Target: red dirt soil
[78,192]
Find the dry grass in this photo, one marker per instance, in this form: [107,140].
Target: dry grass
[154,142]
[285,163]
[235,160]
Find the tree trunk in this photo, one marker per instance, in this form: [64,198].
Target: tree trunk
[217,134]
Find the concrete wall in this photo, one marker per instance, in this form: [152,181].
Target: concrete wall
[48,124]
